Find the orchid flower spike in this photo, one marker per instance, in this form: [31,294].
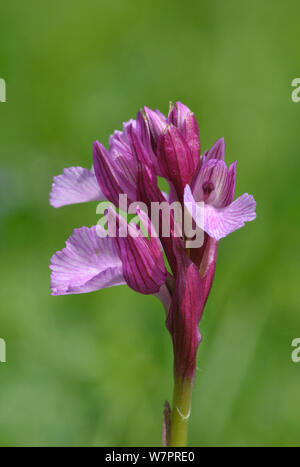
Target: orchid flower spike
[201,186]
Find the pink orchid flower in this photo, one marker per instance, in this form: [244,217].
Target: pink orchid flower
[150,146]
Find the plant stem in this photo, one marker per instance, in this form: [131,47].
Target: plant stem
[181,411]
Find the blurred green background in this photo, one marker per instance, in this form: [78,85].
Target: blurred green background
[95,369]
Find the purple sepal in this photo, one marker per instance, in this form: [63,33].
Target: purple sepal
[157,124]
[214,183]
[184,119]
[148,193]
[217,151]
[142,259]
[205,259]
[140,142]
[176,158]
[184,315]
[114,171]
[145,153]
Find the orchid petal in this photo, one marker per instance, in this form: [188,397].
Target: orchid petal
[211,182]
[217,151]
[113,173]
[149,192]
[176,158]
[214,183]
[219,223]
[75,185]
[143,263]
[207,265]
[121,136]
[86,264]
[230,186]
[140,152]
[184,119]
[157,123]
[193,208]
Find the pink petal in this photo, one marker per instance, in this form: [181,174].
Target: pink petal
[194,209]
[219,223]
[228,193]
[207,264]
[149,192]
[211,182]
[143,263]
[217,151]
[75,185]
[184,119]
[157,122]
[176,158]
[86,264]
[214,183]
[121,136]
[140,142]
[115,171]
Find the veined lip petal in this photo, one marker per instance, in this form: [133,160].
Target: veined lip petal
[75,185]
[86,264]
[220,222]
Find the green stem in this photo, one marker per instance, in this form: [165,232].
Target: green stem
[181,411]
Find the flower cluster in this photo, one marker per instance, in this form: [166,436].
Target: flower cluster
[149,147]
